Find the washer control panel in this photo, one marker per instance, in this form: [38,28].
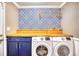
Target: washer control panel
[40,38]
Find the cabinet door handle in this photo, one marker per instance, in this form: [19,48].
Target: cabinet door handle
[16,45]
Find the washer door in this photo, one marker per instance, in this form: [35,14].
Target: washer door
[43,49]
[63,49]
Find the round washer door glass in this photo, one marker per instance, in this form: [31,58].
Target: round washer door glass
[63,50]
[42,50]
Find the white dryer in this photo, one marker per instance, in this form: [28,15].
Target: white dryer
[62,46]
[41,46]
[76,46]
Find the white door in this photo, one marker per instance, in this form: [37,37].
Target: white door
[1,19]
[1,48]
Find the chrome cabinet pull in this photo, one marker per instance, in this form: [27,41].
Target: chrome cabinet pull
[16,45]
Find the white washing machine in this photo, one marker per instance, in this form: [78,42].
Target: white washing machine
[41,46]
[76,46]
[62,46]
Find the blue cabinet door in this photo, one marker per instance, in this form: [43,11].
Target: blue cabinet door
[25,48]
[12,48]
[19,46]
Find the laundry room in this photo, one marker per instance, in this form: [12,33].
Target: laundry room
[42,28]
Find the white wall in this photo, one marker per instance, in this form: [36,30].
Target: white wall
[70,18]
[11,14]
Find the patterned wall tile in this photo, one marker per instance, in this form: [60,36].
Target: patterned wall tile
[39,18]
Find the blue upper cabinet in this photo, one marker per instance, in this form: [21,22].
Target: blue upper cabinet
[39,18]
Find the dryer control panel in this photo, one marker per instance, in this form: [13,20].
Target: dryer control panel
[58,38]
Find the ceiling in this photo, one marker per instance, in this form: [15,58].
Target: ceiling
[38,3]
[26,4]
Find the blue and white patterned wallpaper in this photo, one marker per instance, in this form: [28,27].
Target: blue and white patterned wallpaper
[39,18]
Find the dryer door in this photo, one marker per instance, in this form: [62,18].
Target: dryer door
[63,49]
